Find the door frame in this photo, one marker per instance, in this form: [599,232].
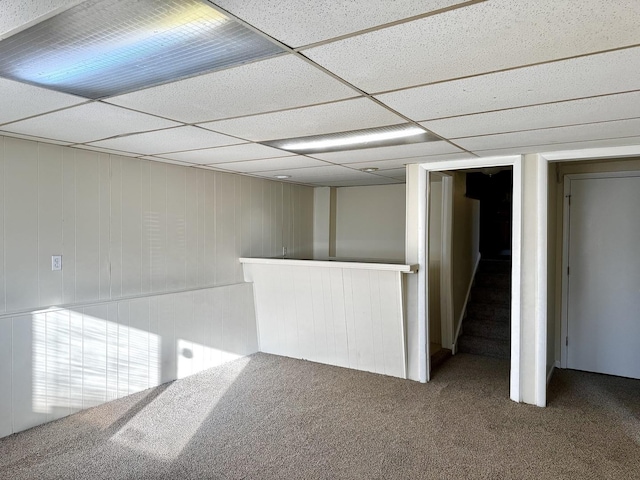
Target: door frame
[516,162]
[566,213]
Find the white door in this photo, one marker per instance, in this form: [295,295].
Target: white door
[603,289]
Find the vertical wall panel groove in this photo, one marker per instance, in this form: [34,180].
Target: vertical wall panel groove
[126,227]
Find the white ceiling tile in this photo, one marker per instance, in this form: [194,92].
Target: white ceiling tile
[577,133]
[16,15]
[397,173]
[297,23]
[170,140]
[267,164]
[592,75]
[106,150]
[372,180]
[88,122]
[19,100]
[590,110]
[553,147]
[33,138]
[268,85]
[234,153]
[400,162]
[166,160]
[318,174]
[480,38]
[355,114]
[388,153]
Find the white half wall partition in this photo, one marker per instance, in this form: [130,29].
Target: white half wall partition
[528,318]
[348,314]
[60,360]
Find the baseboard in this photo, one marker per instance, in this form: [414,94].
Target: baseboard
[454,346]
[555,365]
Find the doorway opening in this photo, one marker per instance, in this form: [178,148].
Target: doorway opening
[485,327]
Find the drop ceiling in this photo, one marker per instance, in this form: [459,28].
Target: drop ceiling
[485,77]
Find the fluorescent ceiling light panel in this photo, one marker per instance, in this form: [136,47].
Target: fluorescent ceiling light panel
[369,138]
[102,48]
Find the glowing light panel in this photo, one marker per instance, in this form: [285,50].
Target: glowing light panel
[103,48]
[369,138]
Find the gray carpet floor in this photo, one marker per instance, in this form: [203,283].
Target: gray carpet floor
[268,417]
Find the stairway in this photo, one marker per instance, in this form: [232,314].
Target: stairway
[486,326]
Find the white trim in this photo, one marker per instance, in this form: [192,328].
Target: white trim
[424,362]
[592,153]
[542,200]
[566,192]
[446,271]
[331,264]
[454,345]
[403,322]
[550,374]
[515,392]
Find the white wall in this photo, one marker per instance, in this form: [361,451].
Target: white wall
[129,228]
[466,244]
[370,222]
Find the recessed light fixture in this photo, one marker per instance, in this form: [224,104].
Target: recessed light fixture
[369,169]
[357,139]
[282,177]
[102,48]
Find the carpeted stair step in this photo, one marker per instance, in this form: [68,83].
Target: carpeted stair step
[484,311]
[487,311]
[498,330]
[488,347]
[491,295]
[494,266]
[497,280]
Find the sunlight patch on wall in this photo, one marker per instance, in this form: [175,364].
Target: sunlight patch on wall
[82,359]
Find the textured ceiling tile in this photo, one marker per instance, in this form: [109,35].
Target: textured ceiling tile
[234,153]
[166,160]
[274,84]
[89,122]
[170,140]
[318,174]
[600,74]
[298,23]
[397,173]
[553,147]
[480,38]
[19,100]
[590,110]
[16,15]
[32,138]
[371,180]
[356,114]
[388,153]
[577,133]
[401,162]
[106,150]
[268,164]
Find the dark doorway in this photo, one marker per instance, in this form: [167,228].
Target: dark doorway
[494,190]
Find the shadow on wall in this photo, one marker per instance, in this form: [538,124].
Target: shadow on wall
[65,360]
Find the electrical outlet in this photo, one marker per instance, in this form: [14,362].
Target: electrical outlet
[56,262]
[284,252]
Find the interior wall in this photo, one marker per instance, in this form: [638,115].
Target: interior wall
[370,222]
[552,253]
[126,228]
[557,182]
[466,244]
[435,258]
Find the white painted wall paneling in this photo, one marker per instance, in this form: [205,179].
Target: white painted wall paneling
[339,316]
[58,361]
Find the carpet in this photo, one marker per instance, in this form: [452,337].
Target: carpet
[269,417]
